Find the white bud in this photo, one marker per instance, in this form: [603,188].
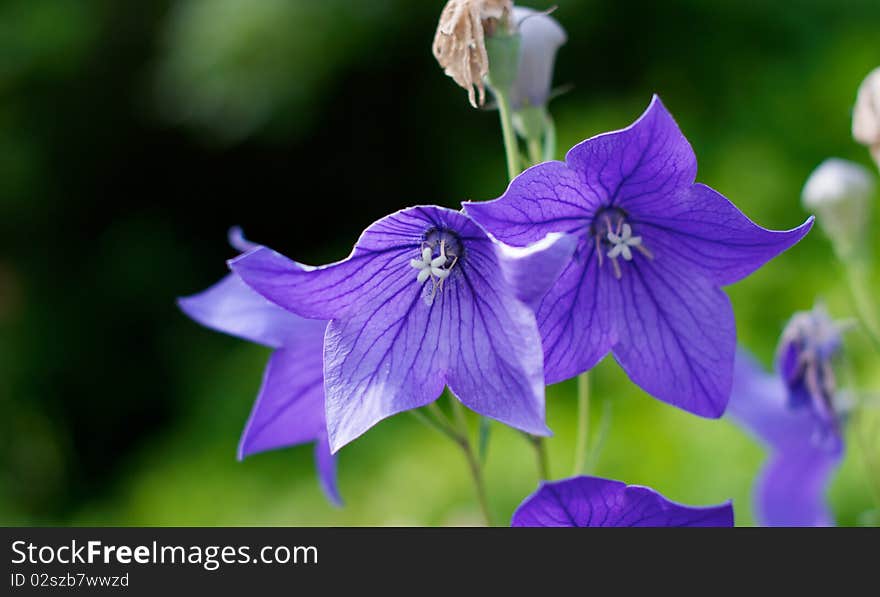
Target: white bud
[866,114]
[540,38]
[840,192]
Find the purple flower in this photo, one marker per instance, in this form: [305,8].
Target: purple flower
[798,414]
[426,299]
[595,502]
[653,250]
[289,409]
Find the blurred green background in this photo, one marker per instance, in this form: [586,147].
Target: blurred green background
[132,135]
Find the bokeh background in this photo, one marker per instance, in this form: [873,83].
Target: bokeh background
[133,134]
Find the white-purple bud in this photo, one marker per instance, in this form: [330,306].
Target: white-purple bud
[840,193]
[540,38]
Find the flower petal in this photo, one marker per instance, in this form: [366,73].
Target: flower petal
[596,502]
[532,270]
[791,489]
[546,198]
[642,163]
[700,230]
[325,462]
[676,336]
[381,258]
[575,319]
[497,366]
[231,307]
[289,409]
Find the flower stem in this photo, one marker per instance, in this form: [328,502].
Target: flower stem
[541,458]
[856,277]
[511,150]
[583,423]
[473,461]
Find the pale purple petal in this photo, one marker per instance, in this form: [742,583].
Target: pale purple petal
[676,336]
[532,270]
[325,462]
[545,198]
[700,230]
[804,451]
[596,502]
[232,307]
[393,342]
[289,409]
[540,38]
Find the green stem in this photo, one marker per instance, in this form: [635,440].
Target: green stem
[856,277]
[434,424]
[535,151]
[583,423]
[511,150]
[872,468]
[541,457]
[472,459]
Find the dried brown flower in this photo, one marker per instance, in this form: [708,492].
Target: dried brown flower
[460,41]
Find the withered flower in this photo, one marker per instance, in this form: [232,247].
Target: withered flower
[460,41]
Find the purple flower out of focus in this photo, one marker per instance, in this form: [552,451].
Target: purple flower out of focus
[596,502]
[289,409]
[798,414]
[653,250]
[540,38]
[426,299]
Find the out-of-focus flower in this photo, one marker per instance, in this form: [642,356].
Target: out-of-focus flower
[596,502]
[289,409]
[840,193]
[426,299]
[540,38]
[460,41]
[653,251]
[866,114]
[799,414]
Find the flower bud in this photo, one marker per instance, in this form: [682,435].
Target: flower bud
[839,191]
[540,38]
[866,114]
[460,41]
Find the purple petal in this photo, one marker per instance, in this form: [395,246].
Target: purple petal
[676,336]
[644,163]
[532,270]
[393,342]
[575,318]
[325,462]
[595,502]
[546,198]
[699,230]
[805,453]
[231,307]
[540,38]
[289,409]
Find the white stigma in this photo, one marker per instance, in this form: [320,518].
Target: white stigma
[429,267]
[623,242]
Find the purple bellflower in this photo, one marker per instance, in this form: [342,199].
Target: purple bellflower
[596,502]
[289,409]
[426,299]
[798,413]
[653,250]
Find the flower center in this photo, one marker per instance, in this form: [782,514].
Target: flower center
[439,253]
[614,238]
